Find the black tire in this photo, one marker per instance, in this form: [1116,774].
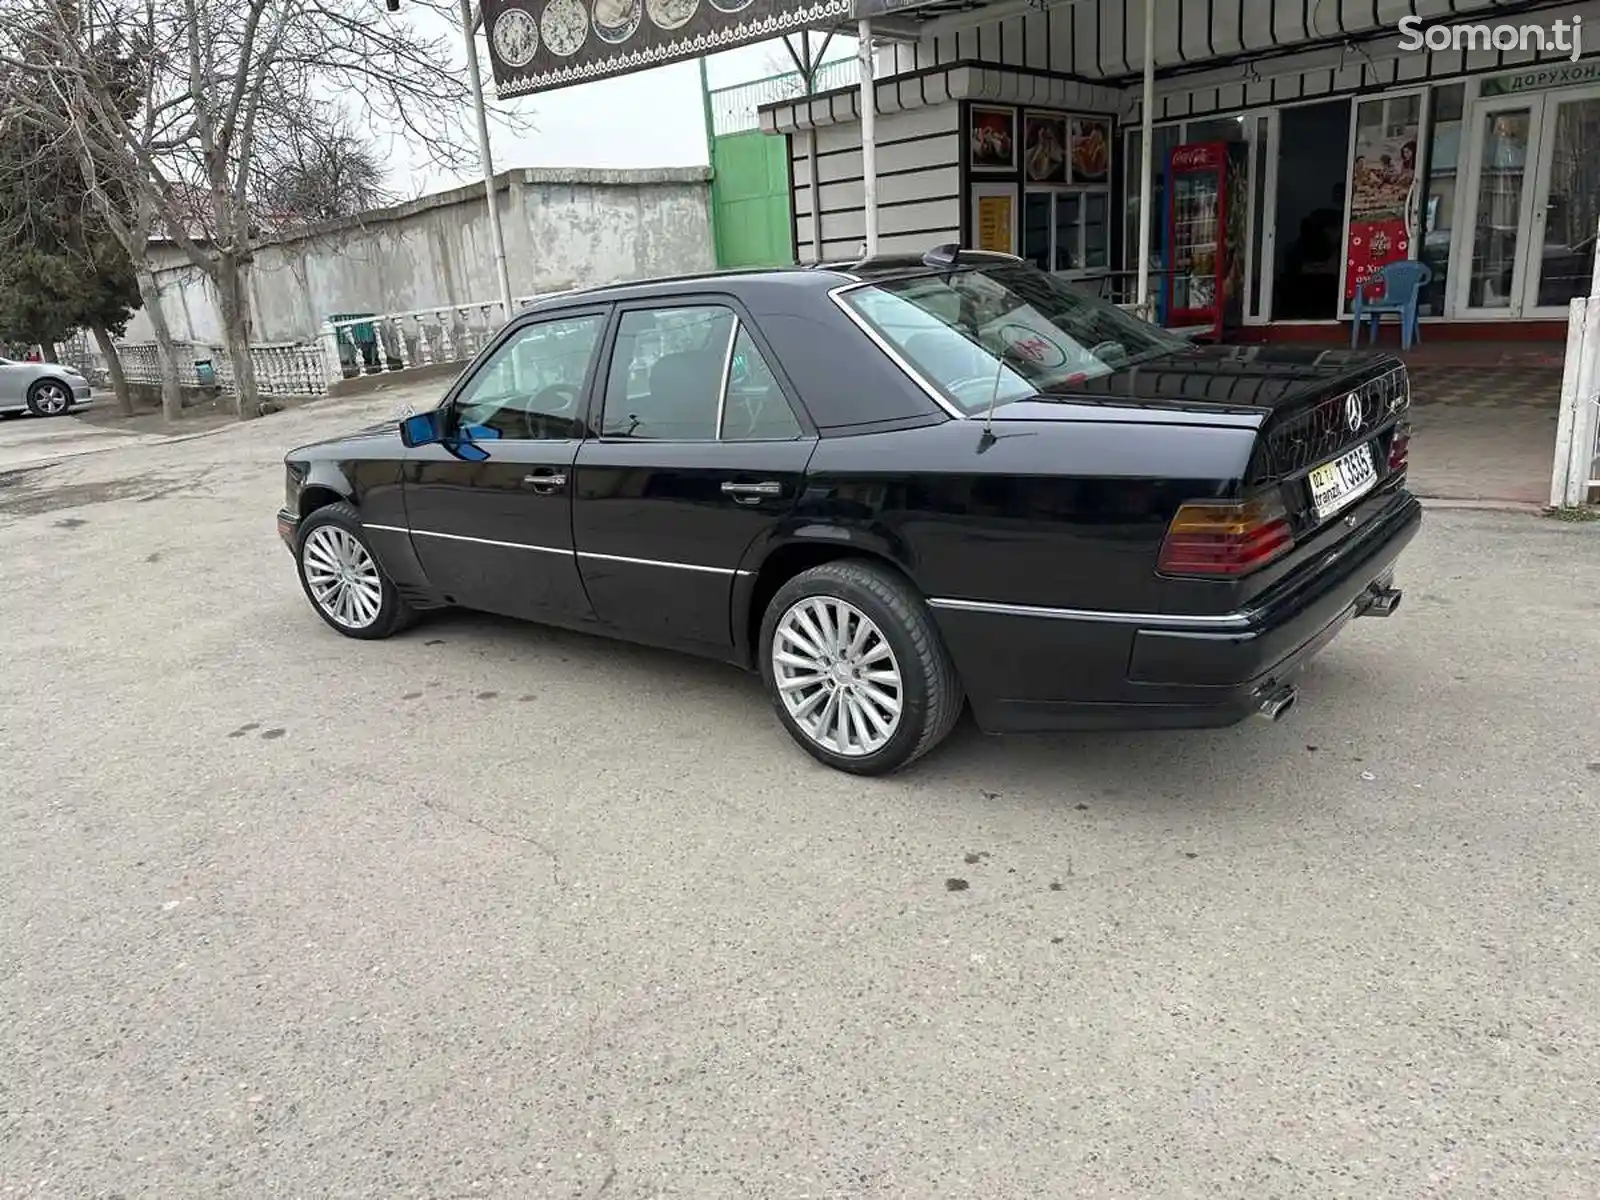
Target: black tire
[931,698]
[47,392]
[393,614]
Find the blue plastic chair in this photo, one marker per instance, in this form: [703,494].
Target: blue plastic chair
[1403,283]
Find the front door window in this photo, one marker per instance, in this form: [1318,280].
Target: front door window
[1565,263]
[533,385]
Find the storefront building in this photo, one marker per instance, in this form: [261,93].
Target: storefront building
[1332,148]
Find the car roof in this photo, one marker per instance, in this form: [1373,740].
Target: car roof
[859,384]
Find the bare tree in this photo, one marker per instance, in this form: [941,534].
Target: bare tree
[39,88]
[316,167]
[219,76]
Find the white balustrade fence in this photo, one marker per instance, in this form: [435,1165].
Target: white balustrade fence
[348,347]
[282,369]
[372,345]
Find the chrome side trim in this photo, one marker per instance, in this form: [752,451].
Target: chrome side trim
[1220,622]
[837,296]
[461,537]
[622,558]
[655,562]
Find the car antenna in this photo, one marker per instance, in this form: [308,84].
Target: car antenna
[988,439]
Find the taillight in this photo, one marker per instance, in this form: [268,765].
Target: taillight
[1400,448]
[1224,539]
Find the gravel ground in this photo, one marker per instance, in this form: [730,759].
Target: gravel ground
[491,910]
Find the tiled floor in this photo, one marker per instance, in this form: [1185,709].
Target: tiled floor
[1484,432]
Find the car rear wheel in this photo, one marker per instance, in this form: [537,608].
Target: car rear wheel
[342,578]
[47,398]
[856,669]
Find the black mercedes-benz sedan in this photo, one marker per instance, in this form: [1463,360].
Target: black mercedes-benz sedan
[895,488]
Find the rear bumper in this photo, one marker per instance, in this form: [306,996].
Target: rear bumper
[288,527]
[1035,670]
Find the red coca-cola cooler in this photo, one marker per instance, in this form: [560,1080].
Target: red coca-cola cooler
[1203,236]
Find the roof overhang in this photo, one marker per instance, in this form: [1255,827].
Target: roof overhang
[941,85]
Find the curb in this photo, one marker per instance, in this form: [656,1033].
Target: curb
[1484,504]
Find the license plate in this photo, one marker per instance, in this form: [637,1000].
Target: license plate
[1341,482]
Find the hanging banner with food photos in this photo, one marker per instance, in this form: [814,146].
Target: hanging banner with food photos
[538,45]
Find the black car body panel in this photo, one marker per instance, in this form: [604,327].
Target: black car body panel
[1032,532]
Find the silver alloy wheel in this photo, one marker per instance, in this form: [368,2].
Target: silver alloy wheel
[343,579]
[52,399]
[837,675]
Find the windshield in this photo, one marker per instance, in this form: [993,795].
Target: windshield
[1007,332]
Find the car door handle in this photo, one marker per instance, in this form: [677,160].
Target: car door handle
[752,491]
[545,483]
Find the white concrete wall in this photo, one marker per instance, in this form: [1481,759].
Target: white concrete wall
[563,228]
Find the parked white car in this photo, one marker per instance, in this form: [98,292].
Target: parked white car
[41,388]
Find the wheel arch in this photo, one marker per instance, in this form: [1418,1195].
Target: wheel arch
[325,484]
[786,559]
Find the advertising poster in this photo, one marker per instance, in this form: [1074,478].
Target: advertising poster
[994,224]
[1091,150]
[1044,148]
[1381,181]
[994,139]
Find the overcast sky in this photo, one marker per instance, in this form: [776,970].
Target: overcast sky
[651,119]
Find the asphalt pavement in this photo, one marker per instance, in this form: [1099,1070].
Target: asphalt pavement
[493,910]
[27,441]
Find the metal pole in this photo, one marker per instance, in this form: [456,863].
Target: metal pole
[1147,182]
[711,161]
[869,133]
[496,239]
[808,71]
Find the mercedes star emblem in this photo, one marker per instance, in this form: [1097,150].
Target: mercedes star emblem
[1352,411]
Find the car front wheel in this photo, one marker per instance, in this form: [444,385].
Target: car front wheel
[342,578]
[856,669]
[47,398]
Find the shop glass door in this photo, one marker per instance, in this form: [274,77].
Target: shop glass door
[1262,130]
[1501,195]
[1382,215]
[1566,204]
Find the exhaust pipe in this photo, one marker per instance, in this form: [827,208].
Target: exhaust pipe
[1380,602]
[1275,704]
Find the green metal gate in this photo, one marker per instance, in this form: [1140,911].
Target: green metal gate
[750,200]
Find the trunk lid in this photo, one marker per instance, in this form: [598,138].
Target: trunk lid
[1300,449]
[1318,424]
[1220,379]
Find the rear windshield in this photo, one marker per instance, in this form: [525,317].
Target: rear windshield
[1007,332]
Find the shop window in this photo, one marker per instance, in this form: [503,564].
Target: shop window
[1216,129]
[1166,137]
[1439,191]
[1258,201]
[1096,232]
[1565,259]
[1066,230]
[1037,209]
[1502,175]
